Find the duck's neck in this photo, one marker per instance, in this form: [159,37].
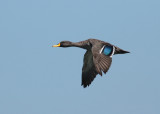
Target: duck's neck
[75,44]
[81,44]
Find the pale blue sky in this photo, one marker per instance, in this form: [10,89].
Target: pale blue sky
[38,79]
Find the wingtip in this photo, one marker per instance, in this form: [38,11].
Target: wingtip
[85,85]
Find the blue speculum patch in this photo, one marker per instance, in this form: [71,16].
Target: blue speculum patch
[108,50]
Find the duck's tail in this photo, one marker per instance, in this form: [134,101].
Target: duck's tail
[120,51]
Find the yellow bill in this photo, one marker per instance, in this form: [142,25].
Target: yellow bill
[57,45]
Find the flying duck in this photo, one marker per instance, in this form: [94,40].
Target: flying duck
[97,59]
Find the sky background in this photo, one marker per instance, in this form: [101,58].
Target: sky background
[38,79]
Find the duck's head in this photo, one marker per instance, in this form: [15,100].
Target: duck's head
[63,44]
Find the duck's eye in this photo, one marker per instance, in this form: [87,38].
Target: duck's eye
[107,50]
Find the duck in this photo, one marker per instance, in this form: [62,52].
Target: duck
[97,59]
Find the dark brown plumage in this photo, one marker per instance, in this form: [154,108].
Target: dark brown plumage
[97,59]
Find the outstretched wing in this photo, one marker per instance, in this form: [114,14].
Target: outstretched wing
[102,62]
[95,62]
[88,71]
